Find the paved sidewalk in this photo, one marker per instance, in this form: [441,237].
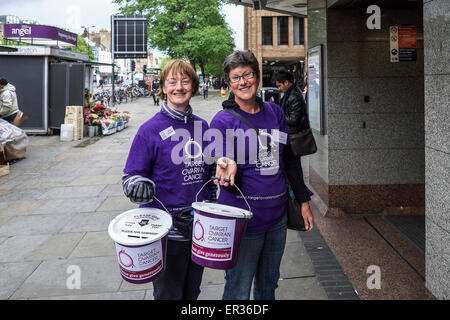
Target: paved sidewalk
[55,207]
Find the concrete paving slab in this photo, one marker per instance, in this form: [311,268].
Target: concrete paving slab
[4,219]
[107,163]
[94,244]
[113,190]
[60,278]
[71,192]
[47,182]
[117,203]
[57,206]
[127,286]
[213,276]
[295,261]
[90,222]
[10,182]
[91,180]
[13,275]
[149,295]
[17,195]
[16,248]
[115,170]
[19,208]
[211,292]
[58,246]
[300,289]
[33,224]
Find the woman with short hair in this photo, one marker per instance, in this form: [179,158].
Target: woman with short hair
[261,180]
[153,169]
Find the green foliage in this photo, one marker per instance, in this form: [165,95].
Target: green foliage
[83,47]
[194,29]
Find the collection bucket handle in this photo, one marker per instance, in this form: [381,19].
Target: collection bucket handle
[226,180]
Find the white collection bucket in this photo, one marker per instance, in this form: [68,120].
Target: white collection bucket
[140,237]
[217,233]
[66,132]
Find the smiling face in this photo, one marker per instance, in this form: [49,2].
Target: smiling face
[178,89]
[246,87]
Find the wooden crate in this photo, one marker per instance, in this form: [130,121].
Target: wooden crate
[78,124]
[74,110]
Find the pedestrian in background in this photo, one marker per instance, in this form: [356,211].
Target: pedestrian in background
[8,101]
[155,87]
[262,181]
[205,89]
[292,103]
[294,107]
[151,172]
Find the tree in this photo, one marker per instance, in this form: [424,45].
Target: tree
[83,47]
[193,30]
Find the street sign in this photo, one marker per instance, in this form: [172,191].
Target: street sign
[129,36]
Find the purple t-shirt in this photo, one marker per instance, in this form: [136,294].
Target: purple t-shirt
[169,152]
[263,183]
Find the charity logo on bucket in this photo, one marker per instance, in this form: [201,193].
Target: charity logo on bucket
[140,262]
[212,238]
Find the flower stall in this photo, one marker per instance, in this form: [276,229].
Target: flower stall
[101,120]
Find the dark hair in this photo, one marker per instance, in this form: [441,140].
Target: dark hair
[3,81]
[284,75]
[240,58]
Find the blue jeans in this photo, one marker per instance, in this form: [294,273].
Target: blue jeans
[259,261]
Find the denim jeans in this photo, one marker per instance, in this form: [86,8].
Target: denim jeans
[259,261]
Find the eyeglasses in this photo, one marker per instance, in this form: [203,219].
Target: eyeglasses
[173,82]
[246,76]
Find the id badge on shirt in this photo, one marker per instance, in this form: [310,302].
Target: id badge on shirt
[167,133]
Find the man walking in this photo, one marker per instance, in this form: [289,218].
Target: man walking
[292,103]
[8,101]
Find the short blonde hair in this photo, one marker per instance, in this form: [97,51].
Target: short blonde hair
[178,66]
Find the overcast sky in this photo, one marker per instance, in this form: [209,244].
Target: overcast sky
[72,14]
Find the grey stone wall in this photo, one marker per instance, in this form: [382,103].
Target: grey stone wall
[380,141]
[436,15]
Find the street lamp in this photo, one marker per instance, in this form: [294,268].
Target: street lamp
[87,28]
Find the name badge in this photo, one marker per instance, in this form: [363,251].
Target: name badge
[167,133]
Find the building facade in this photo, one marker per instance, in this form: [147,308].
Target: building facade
[278,41]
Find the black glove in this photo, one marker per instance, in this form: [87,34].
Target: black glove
[141,192]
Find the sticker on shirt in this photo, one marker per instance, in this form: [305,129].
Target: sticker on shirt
[167,133]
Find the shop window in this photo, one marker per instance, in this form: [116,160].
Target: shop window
[267,31]
[283,30]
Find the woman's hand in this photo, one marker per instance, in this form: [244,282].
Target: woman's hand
[225,169]
[307,216]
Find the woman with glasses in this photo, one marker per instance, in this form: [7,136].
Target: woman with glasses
[260,178]
[161,164]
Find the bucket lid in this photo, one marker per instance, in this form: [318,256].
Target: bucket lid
[140,226]
[222,210]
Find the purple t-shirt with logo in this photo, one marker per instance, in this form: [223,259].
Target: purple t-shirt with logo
[263,183]
[169,152]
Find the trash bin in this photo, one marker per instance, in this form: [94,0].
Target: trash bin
[270,94]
